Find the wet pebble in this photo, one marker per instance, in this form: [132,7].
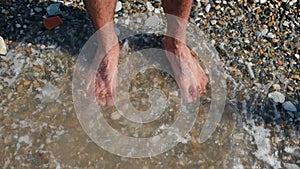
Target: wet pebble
[37,9]
[150,7]
[115,116]
[152,21]
[3,50]
[277,97]
[53,9]
[289,106]
[118,6]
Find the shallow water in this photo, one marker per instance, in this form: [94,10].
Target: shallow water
[40,129]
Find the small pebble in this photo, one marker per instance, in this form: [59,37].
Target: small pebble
[53,9]
[118,6]
[257,34]
[280,63]
[115,116]
[276,86]
[277,97]
[213,22]
[152,21]
[37,9]
[150,7]
[263,1]
[207,8]
[289,106]
[43,47]
[3,50]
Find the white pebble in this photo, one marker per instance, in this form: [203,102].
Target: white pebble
[286,23]
[156,10]
[263,1]
[213,22]
[3,50]
[277,97]
[150,7]
[250,71]
[43,47]
[207,8]
[118,6]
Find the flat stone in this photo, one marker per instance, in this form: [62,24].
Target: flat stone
[289,106]
[3,50]
[277,97]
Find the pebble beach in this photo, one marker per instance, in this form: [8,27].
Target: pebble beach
[258,42]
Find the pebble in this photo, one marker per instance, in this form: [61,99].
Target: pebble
[271,35]
[156,11]
[276,86]
[152,21]
[207,8]
[263,1]
[18,25]
[257,33]
[277,97]
[264,31]
[3,50]
[37,9]
[280,63]
[115,115]
[43,47]
[250,71]
[213,22]
[118,6]
[150,7]
[289,106]
[286,23]
[53,9]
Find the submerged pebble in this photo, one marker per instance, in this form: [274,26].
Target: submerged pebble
[289,106]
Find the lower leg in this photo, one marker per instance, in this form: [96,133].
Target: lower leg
[178,12]
[102,15]
[189,75]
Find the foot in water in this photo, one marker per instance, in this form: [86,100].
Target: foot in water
[189,74]
[105,78]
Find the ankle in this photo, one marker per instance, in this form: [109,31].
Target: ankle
[172,43]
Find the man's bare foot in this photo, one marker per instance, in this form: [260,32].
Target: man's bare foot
[104,86]
[188,73]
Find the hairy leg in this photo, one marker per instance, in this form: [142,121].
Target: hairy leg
[102,15]
[189,74]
